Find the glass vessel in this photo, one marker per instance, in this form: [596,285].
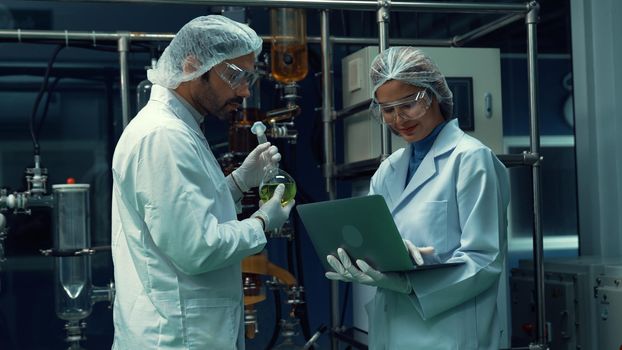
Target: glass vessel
[143,90]
[143,93]
[289,334]
[273,175]
[240,139]
[288,55]
[72,233]
[272,178]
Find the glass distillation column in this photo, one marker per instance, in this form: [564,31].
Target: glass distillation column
[73,273]
[241,141]
[289,44]
[289,64]
[74,293]
[258,264]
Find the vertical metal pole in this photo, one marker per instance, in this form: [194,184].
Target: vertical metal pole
[123,47]
[383,44]
[327,121]
[327,104]
[532,66]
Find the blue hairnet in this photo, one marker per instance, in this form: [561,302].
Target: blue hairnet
[411,66]
[200,45]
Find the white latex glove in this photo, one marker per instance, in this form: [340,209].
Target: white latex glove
[272,213]
[365,274]
[415,252]
[249,174]
[396,281]
[340,274]
[345,271]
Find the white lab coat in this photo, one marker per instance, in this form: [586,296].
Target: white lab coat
[176,244]
[456,202]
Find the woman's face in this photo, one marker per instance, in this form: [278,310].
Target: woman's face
[413,121]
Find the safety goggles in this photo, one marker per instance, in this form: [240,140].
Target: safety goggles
[409,108]
[236,76]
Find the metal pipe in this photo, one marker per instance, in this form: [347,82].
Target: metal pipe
[524,159]
[92,37]
[383,43]
[364,5]
[532,19]
[460,40]
[98,37]
[329,162]
[400,41]
[42,201]
[327,104]
[3,234]
[103,293]
[355,108]
[123,45]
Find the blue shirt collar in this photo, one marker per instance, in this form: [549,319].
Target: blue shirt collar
[422,147]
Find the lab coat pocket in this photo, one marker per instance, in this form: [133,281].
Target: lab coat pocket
[212,323]
[433,225]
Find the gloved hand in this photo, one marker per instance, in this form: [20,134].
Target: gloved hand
[415,252]
[396,281]
[272,213]
[340,274]
[249,174]
[365,274]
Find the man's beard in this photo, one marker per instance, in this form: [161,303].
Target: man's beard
[223,113]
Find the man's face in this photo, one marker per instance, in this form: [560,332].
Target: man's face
[212,95]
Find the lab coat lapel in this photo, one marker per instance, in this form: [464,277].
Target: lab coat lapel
[399,168]
[426,170]
[445,142]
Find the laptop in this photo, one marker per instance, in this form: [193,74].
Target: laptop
[364,227]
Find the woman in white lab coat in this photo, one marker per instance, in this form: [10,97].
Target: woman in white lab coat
[448,195]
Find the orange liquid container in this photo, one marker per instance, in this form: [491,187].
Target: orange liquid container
[241,140]
[289,60]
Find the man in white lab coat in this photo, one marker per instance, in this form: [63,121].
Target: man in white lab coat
[176,242]
[448,195]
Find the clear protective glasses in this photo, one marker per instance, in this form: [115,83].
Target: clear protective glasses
[408,108]
[236,76]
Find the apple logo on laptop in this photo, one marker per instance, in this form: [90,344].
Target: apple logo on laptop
[352,236]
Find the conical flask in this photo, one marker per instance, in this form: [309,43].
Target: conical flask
[273,174]
[272,178]
[289,334]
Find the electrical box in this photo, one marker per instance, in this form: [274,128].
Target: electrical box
[355,68]
[571,306]
[473,75]
[608,295]
[561,311]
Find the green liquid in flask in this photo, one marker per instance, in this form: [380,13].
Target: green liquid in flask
[267,190]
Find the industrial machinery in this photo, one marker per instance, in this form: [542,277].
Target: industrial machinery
[70,205]
[583,297]
[289,64]
[248,128]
